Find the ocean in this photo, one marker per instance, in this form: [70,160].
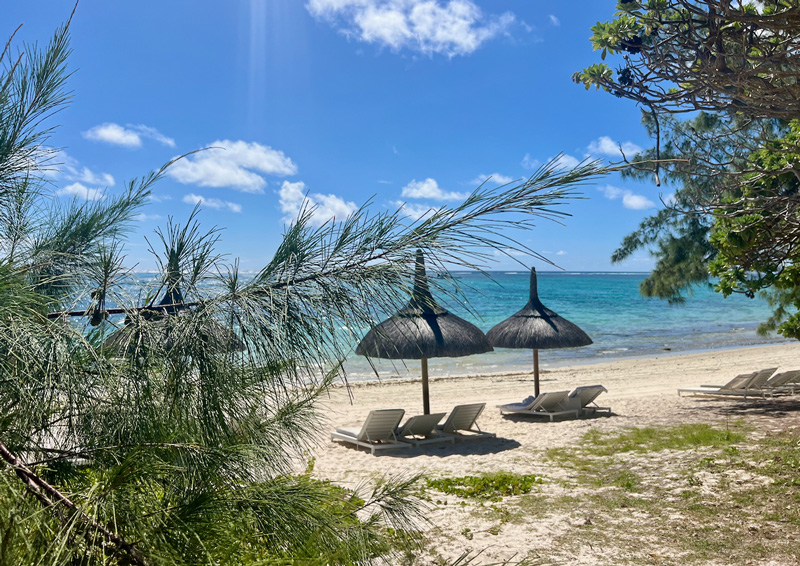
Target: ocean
[607,306]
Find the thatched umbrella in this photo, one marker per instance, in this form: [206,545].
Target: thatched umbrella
[539,328]
[213,335]
[423,330]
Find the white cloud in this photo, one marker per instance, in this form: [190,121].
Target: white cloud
[212,202]
[80,191]
[529,162]
[504,253]
[70,169]
[413,210]
[554,20]
[113,134]
[561,252]
[159,198]
[142,217]
[153,134]
[604,145]
[429,188]
[234,164]
[496,179]
[629,198]
[565,161]
[453,27]
[293,199]
[127,136]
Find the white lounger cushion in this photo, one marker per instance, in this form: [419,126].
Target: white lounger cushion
[377,432]
[550,404]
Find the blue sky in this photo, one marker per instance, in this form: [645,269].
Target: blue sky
[398,101]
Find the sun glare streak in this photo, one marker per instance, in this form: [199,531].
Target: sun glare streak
[257,71]
[275,51]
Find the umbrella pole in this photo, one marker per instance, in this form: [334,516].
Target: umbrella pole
[426,399]
[535,372]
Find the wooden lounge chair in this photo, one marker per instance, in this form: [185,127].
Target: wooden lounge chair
[463,419]
[377,432]
[582,399]
[421,429]
[744,385]
[550,404]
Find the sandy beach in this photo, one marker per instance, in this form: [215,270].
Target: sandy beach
[568,520]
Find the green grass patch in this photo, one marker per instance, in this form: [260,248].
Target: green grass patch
[653,439]
[492,487]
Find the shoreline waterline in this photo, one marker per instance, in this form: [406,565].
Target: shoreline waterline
[567,366]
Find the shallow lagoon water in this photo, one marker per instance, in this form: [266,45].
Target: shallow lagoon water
[608,306]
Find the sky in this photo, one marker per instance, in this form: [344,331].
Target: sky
[400,103]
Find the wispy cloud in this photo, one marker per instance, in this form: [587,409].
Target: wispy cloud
[529,162]
[237,165]
[604,145]
[429,189]
[496,179]
[554,20]
[214,203]
[565,161]
[153,134]
[293,198]
[629,198]
[68,168]
[81,191]
[130,135]
[413,210]
[454,27]
[142,217]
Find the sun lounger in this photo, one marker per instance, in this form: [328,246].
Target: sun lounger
[783,383]
[744,385]
[377,432]
[463,419]
[421,429]
[582,399]
[738,382]
[548,404]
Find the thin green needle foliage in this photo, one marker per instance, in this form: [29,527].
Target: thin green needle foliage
[180,434]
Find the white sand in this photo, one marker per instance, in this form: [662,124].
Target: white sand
[641,392]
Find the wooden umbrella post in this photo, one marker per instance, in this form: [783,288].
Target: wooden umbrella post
[535,372]
[426,399]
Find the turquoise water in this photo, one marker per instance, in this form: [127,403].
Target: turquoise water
[607,306]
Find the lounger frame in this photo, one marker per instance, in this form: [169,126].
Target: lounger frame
[549,404]
[422,429]
[463,419]
[377,432]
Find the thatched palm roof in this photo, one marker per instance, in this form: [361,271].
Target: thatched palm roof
[423,329]
[537,327]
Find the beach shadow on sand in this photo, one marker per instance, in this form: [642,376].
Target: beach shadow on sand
[783,408]
[523,419]
[470,447]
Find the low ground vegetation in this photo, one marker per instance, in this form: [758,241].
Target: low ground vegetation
[685,494]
